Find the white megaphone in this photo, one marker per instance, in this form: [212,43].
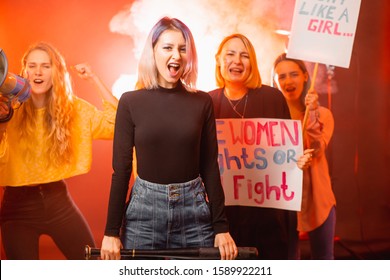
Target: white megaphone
[14,89]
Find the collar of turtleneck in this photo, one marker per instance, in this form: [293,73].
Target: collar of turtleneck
[177,88]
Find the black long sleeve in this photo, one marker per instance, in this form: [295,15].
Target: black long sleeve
[173,132]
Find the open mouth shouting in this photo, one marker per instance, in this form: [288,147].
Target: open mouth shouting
[235,70]
[38,81]
[290,89]
[174,70]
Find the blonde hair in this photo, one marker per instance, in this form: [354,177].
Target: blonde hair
[254,78]
[147,69]
[59,114]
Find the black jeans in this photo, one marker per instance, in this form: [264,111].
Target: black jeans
[29,212]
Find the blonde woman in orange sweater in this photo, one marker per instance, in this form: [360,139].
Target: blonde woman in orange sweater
[48,139]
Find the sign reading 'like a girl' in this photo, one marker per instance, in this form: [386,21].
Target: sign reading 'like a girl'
[323,31]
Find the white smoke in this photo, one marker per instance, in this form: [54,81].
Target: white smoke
[210,21]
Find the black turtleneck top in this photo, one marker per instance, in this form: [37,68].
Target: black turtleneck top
[173,132]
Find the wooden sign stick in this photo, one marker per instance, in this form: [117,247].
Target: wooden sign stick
[311,88]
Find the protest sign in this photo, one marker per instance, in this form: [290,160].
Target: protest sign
[257,160]
[323,31]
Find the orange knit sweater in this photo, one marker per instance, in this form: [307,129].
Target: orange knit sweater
[16,169]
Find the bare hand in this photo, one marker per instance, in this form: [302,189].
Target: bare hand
[83,70]
[305,160]
[311,100]
[4,109]
[227,246]
[110,249]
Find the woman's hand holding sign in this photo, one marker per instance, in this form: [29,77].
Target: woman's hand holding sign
[305,160]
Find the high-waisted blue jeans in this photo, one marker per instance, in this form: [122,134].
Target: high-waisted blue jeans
[167,216]
[29,212]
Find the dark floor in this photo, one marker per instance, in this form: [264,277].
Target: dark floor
[344,250]
[353,250]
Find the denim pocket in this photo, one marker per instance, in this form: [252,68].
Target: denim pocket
[133,205]
[202,206]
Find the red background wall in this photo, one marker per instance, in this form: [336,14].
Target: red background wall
[359,153]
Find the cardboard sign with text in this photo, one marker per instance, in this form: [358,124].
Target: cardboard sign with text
[324,31]
[257,160]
